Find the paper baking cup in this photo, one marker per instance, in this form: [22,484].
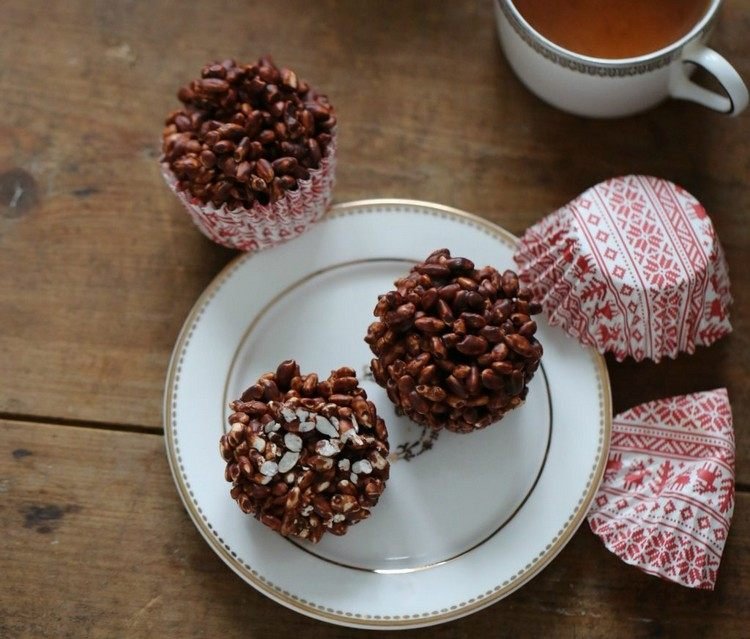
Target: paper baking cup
[263,226]
[632,266]
[666,501]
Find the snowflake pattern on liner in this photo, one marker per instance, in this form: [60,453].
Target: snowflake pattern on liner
[666,501]
[632,266]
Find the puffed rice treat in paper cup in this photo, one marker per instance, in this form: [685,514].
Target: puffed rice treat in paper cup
[632,266]
[666,501]
[251,155]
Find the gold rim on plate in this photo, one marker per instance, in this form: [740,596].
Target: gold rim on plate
[355,619]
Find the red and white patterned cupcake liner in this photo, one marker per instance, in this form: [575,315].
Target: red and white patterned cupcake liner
[632,266]
[263,226]
[667,498]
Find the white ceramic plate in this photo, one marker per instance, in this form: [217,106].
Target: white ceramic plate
[465,519]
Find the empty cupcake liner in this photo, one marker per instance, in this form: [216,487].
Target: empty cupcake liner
[666,501]
[263,226]
[632,266]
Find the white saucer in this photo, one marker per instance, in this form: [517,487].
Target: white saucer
[465,519]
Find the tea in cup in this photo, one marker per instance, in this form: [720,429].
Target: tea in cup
[612,58]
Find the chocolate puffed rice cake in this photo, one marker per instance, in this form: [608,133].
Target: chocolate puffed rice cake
[454,345]
[304,456]
[251,154]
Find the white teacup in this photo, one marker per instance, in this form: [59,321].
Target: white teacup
[604,88]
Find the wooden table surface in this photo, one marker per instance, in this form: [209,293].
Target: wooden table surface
[99,266]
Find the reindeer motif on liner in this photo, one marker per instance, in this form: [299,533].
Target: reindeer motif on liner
[614,464]
[634,478]
[706,478]
[717,309]
[726,494]
[567,253]
[605,310]
[681,481]
[583,266]
[607,335]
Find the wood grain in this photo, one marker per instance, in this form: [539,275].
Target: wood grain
[96,543]
[99,265]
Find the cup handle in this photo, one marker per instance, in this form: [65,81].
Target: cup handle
[682,87]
